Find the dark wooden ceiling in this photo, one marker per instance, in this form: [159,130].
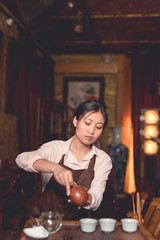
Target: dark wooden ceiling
[109,26]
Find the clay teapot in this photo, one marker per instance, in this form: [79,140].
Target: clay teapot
[79,195]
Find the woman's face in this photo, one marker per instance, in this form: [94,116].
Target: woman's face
[89,127]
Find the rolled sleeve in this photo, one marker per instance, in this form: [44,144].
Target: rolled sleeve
[26,160]
[51,151]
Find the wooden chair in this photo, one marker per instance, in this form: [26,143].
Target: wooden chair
[152,218]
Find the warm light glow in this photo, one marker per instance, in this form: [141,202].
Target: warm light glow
[71,3]
[151,131]
[130,185]
[79,25]
[150,147]
[151,117]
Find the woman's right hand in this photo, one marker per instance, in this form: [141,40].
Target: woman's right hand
[61,174]
[63,177]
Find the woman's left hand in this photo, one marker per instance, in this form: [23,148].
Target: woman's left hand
[88,202]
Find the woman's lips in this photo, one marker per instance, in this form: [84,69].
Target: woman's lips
[88,138]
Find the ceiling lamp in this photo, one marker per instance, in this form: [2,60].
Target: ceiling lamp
[71,3]
[78,25]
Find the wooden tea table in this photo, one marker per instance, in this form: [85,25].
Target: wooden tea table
[70,230]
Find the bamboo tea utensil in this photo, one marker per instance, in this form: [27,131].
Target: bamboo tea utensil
[139,207]
[133,214]
[133,203]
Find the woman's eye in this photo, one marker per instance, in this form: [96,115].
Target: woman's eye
[99,127]
[87,123]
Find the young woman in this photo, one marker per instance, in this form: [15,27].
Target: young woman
[61,163]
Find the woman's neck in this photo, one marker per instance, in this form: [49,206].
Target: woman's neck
[78,149]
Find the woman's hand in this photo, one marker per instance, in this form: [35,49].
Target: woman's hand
[64,177]
[89,200]
[61,174]
[86,202]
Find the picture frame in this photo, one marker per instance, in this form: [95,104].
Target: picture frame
[79,89]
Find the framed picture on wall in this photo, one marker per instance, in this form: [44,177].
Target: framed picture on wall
[79,89]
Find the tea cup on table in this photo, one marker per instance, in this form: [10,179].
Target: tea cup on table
[129,224]
[88,225]
[107,224]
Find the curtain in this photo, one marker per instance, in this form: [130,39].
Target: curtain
[35,79]
[145,78]
[11,80]
[30,77]
[1,69]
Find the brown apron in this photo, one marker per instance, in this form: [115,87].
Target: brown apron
[54,197]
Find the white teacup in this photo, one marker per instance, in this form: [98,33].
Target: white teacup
[129,224]
[107,224]
[88,225]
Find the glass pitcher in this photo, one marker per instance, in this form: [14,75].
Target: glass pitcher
[51,221]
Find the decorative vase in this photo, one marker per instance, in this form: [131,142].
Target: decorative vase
[119,155]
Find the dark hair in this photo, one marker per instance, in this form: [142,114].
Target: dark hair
[91,105]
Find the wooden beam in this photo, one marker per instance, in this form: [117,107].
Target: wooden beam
[92,68]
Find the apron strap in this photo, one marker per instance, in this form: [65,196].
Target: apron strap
[61,162]
[91,163]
